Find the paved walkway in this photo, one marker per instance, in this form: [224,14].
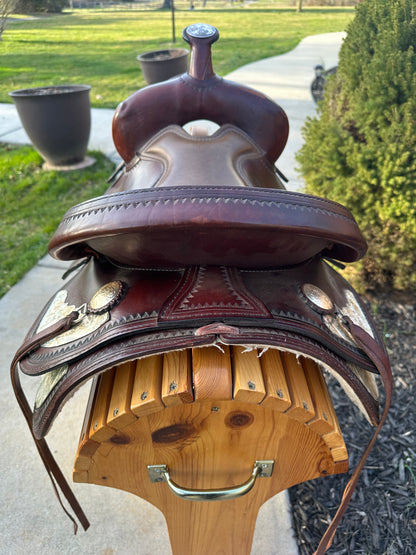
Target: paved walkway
[31,520]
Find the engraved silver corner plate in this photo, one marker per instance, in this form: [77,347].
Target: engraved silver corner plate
[317,297]
[353,309]
[57,309]
[47,383]
[160,473]
[201,30]
[92,315]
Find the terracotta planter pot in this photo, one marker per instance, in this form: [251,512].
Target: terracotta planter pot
[57,120]
[160,65]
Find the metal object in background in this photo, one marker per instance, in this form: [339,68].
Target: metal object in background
[318,84]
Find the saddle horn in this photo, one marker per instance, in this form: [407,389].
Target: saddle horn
[199,94]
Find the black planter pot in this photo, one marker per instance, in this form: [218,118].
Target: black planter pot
[160,65]
[57,120]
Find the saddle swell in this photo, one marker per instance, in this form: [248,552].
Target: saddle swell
[185,99]
[197,243]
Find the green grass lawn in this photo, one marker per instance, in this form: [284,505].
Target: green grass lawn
[32,203]
[99,47]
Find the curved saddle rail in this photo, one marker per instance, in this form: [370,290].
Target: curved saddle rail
[199,94]
[242,227]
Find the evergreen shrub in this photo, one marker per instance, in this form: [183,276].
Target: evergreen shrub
[360,150]
[45,6]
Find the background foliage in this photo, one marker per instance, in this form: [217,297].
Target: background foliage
[360,150]
[32,203]
[36,6]
[99,47]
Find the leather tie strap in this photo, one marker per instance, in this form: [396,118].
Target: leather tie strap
[62,325]
[372,349]
[55,474]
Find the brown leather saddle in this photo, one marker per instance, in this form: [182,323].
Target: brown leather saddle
[197,243]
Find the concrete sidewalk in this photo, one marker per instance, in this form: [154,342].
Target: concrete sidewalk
[31,520]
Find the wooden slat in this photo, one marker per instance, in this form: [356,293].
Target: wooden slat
[212,373]
[145,398]
[119,413]
[323,421]
[277,391]
[340,456]
[99,430]
[80,476]
[87,447]
[177,379]
[302,405]
[335,439]
[248,377]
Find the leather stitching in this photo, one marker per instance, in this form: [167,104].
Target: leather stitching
[154,202]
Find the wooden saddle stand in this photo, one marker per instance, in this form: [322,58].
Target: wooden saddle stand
[205,306]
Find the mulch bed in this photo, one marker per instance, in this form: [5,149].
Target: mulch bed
[381,518]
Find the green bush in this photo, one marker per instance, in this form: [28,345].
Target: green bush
[45,6]
[360,150]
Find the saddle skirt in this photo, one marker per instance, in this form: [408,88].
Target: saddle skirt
[197,243]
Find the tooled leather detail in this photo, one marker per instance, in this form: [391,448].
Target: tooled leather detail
[347,348]
[121,201]
[45,355]
[215,292]
[184,305]
[205,293]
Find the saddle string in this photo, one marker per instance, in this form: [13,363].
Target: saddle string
[370,347]
[58,480]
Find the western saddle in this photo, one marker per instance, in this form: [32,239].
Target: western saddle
[205,305]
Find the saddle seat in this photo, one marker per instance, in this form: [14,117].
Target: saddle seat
[224,206]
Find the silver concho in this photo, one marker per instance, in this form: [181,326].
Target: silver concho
[105,297]
[317,297]
[201,30]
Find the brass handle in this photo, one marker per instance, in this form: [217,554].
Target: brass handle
[160,473]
